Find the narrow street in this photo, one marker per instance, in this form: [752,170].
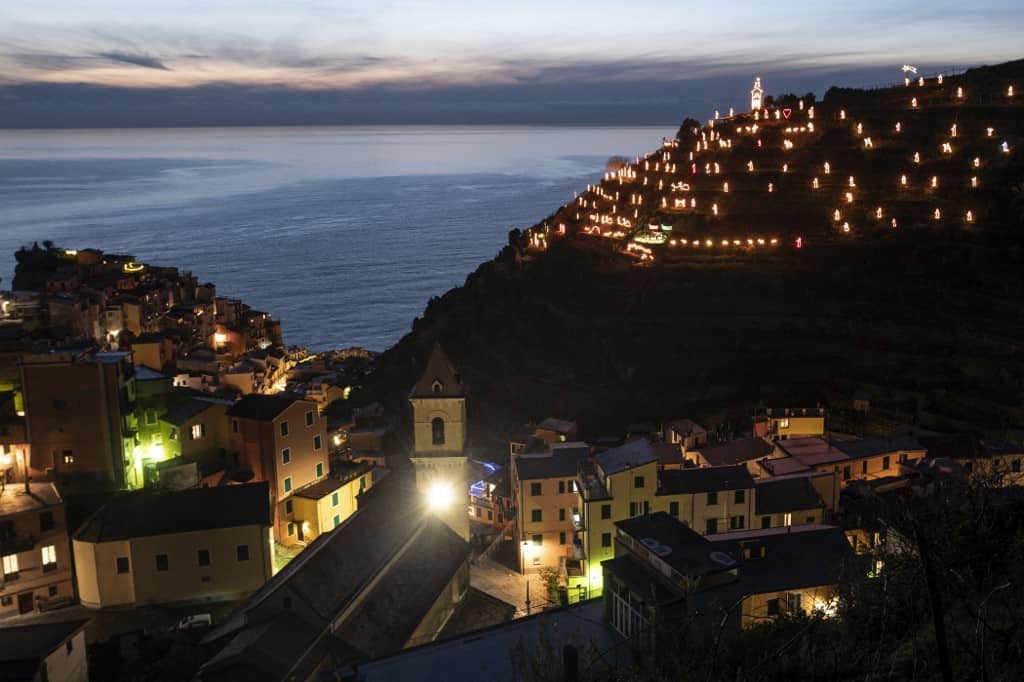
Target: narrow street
[498,577]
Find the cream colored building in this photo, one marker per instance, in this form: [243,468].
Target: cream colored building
[44,652]
[323,506]
[779,423]
[439,440]
[35,557]
[201,544]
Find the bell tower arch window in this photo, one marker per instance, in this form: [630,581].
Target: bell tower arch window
[437,430]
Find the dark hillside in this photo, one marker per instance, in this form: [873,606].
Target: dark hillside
[617,316]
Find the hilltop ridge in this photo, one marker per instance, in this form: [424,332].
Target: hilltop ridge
[682,311]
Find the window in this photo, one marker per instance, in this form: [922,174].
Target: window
[477,511]
[561,538]
[885,462]
[561,487]
[198,431]
[787,519]
[783,423]
[287,484]
[538,540]
[572,486]
[903,458]
[286,455]
[712,499]
[437,387]
[203,557]
[52,590]
[490,515]
[10,565]
[536,515]
[561,515]
[234,426]
[284,429]
[6,601]
[739,496]
[319,469]
[69,457]
[864,468]
[162,563]
[737,522]
[847,474]
[673,508]
[317,442]
[773,607]
[766,522]
[45,521]
[793,603]
[337,520]
[711,527]
[535,488]
[122,565]
[151,417]
[606,511]
[437,431]
[172,434]
[335,499]
[291,529]
[638,481]
[606,539]
[1015,466]
[242,551]
[810,519]
[638,508]
[309,418]
[49,553]
[287,506]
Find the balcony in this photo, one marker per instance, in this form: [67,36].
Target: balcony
[577,522]
[578,552]
[14,543]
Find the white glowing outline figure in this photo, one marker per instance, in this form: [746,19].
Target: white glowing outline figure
[828,168]
[725,188]
[714,209]
[990,131]
[849,197]
[907,68]
[894,223]
[899,127]
[860,128]
[977,162]
[903,180]
[959,93]
[974,181]
[969,217]
[953,130]
[917,157]
[836,216]
[920,82]
[913,102]
[750,166]
[814,183]
[935,181]
[1005,147]
[868,144]
[938,214]
[771,187]
[947,148]
[852,182]
[846,227]
[756,95]
[878,212]
[842,114]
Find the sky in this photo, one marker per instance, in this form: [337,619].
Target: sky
[155,61]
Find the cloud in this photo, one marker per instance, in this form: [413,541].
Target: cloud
[142,60]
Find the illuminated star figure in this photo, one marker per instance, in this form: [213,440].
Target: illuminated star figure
[907,68]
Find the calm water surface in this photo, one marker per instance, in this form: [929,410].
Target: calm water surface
[341,233]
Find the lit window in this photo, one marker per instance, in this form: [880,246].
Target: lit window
[787,519]
[10,564]
[793,602]
[538,540]
[198,431]
[783,423]
[69,458]
[49,553]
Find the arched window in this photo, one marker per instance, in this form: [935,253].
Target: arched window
[437,428]
[437,387]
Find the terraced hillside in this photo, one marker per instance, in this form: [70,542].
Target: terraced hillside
[869,239]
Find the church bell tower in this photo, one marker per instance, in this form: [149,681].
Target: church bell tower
[439,434]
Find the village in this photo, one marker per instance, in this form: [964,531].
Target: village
[173,477]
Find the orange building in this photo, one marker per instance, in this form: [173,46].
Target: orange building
[281,439]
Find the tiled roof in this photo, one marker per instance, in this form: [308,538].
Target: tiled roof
[775,496]
[438,369]
[261,407]
[145,513]
[632,454]
[704,480]
[735,451]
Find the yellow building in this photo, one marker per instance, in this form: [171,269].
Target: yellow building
[618,484]
[150,547]
[324,505]
[35,558]
[779,423]
[439,439]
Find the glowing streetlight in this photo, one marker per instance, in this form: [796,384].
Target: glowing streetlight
[440,496]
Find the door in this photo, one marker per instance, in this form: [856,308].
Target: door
[298,530]
[25,603]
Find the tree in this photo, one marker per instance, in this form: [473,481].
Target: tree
[688,129]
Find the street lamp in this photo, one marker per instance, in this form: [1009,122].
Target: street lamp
[440,495]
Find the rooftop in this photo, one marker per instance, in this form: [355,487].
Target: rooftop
[812,451]
[440,373]
[674,543]
[14,499]
[873,447]
[23,647]
[735,451]
[775,496]
[704,480]
[632,454]
[561,463]
[262,407]
[563,426]
[146,513]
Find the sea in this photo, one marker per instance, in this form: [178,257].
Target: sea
[342,233]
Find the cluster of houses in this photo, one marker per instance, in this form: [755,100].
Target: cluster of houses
[336,570]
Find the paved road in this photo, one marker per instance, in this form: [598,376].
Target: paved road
[496,577]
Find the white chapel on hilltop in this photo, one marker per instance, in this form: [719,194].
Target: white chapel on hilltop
[756,95]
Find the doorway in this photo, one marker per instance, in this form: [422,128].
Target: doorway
[25,603]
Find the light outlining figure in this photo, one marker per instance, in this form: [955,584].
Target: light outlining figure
[756,95]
